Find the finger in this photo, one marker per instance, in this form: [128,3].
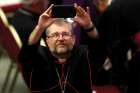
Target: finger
[50,12]
[81,10]
[88,10]
[78,11]
[46,15]
[49,9]
[75,5]
[76,8]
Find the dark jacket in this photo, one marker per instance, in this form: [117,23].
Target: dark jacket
[134,75]
[43,74]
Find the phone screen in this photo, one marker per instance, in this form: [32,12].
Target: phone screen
[63,11]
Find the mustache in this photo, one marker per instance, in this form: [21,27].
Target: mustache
[60,43]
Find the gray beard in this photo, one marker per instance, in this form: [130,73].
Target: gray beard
[62,55]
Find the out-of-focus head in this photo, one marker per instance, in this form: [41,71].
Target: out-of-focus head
[102,5]
[60,37]
[136,38]
[38,6]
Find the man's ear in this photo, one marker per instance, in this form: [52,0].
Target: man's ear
[74,38]
[47,41]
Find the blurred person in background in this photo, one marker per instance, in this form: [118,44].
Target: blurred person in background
[117,25]
[97,46]
[134,66]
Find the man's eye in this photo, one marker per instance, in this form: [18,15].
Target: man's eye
[56,35]
[66,34]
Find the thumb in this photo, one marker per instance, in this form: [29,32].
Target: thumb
[77,20]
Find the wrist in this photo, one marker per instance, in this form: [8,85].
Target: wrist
[89,28]
[39,28]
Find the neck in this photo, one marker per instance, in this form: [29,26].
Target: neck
[62,58]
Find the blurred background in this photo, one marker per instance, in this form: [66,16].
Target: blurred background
[11,80]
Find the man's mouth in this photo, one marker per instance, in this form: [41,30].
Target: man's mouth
[61,45]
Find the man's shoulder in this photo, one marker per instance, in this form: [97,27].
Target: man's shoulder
[43,49]
[81,49]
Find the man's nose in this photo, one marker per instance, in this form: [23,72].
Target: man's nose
[60,37]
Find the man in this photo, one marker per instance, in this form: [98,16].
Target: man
[60,66]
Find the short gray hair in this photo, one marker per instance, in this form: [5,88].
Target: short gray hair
[60,22]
